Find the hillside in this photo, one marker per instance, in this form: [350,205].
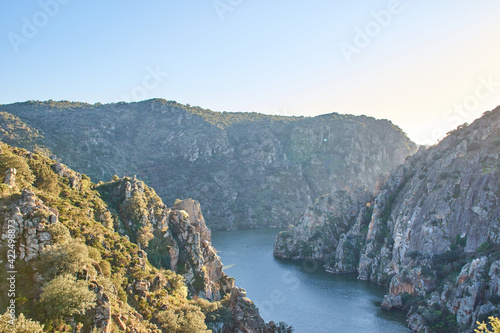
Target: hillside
[431,233]
[246,169]
[110,257]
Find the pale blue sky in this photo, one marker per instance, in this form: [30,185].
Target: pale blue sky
[427,67]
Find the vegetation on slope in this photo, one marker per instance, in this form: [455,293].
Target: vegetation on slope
[56,289]
[246,169]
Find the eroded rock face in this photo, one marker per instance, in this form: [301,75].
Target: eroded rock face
[101,313]
[10,177]
[180,237]
[29,217]
[250,170]
[323,227]
[203,268]
[246,316]
[434,217]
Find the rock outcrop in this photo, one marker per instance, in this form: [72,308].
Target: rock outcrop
[245,314]
[323,226]
[60,227]
[10,177]
[247,169]
[179,238]
[29,219]
[431,233]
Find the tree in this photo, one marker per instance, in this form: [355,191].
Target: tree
[69,258]
[135,207]
[144,235]
[46,179]
[24,176]
[21,324]
[186,318]
[59,232]
[65,296]
[107,220]
[483,327]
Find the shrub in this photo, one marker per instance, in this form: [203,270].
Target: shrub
[135,207]
[483,327]
[59,232]
[484,247]
[65,296]
[186,318]
[21,325]
[105,268]
[144,235]
[440,320]
[69,258]
[413,254]
[473,146]
[24,176]
[461,241]
[46,179]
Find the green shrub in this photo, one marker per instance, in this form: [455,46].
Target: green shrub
[24,175]
[484,247]
[21,324]
[65,296]
[59,232]
[46,179]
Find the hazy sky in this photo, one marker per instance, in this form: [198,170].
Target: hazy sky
[428,66]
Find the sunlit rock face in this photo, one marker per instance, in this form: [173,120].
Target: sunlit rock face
[246,169]
[431,231]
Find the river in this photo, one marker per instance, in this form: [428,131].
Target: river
[301,293]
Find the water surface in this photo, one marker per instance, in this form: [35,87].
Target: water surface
[301,293]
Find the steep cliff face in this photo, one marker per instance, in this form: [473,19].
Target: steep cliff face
[175,238]
[322,227]
[433,236]
[73,272]
[246,169]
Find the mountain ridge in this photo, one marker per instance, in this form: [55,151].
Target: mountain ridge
[247,169]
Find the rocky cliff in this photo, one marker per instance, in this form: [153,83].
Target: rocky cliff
[246,169]
[430,233]
[175,238]
[73,272]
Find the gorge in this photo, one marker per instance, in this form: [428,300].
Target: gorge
[356,195]
[430,233]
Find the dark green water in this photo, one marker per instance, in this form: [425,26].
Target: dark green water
[301,293]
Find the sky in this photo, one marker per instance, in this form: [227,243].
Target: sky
[426,66]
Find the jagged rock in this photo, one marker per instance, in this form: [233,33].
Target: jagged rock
[10,177]
[102,311]
[245,314]
[118,320]
[470,289]
[30,235]
[74,178]
[180,234]
[440,205]
[319,230]
[391,302]
[142,286]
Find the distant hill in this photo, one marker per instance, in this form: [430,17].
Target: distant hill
[246,169]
